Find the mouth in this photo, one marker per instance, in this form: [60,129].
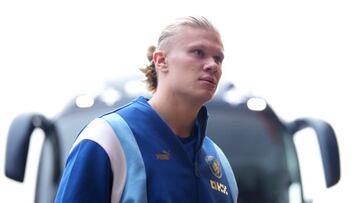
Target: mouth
[209,80]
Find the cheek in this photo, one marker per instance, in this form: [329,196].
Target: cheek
[219,73]
[187,66]
[178,63]
[184,66]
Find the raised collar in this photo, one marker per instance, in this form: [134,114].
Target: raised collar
[200,122]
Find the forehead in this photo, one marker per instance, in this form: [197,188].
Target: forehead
[195,36]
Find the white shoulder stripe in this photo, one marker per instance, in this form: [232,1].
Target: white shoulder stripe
[101,132]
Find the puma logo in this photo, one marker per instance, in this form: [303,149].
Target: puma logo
[163,155]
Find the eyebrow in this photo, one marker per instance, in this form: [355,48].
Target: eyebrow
[202,46]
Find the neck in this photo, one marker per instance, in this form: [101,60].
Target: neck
[178,114]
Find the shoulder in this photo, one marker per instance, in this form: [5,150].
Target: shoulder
[208,143]
[211,147]
[100,132]
[97,153]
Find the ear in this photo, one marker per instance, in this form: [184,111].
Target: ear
[159,58]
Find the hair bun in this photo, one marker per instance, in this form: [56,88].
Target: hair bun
[150,52]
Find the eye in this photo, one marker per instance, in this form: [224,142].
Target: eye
[218,59]
[198,52]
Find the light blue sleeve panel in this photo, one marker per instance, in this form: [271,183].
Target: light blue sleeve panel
[229,173]
[135,183]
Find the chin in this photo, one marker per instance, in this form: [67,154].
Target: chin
[206,96]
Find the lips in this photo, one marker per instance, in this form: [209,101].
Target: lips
[208,79]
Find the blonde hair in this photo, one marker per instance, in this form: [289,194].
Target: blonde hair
[168,32]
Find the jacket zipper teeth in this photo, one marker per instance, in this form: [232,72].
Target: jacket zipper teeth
[196,169]
[202,126]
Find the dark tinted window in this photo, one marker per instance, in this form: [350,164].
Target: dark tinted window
[254,146]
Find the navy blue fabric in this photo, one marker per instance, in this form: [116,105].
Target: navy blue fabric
[178,179]
[87,176]
[189,146]
[172,173]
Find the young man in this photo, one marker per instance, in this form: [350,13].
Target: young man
[156,150]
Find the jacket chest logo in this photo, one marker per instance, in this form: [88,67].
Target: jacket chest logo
[163,155]
[214,165]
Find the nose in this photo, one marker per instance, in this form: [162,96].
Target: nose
[211,65]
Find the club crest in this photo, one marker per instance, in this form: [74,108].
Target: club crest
[214,165]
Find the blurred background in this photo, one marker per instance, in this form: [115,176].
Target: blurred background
[300,56]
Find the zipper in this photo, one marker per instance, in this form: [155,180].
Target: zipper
[196,168]
[201,136]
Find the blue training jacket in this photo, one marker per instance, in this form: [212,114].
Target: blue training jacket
[132,156]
